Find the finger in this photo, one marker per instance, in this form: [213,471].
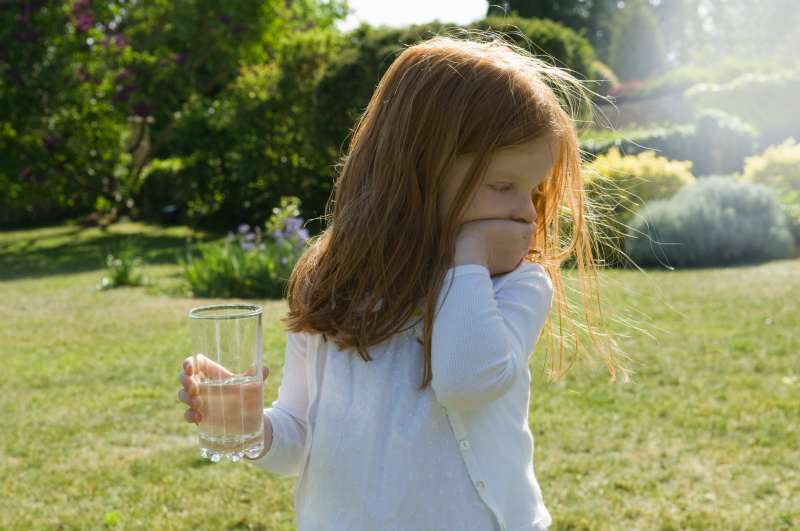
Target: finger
[194,402]
[188,366]
[251,371]
[193,416]
[211,369]
[189,383]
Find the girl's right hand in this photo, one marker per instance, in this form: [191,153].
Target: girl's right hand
[189,379]
[500,245]
[190,389]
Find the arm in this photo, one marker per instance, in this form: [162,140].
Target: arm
[286,420]
[481,340]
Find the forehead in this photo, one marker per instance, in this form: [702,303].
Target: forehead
[531,160]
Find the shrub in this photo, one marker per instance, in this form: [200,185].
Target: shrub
[684,77]
[716,143]
[250,263]
[618,186]
[349,77]
[767,101]
[717,221]
[123,266]
[232,157]
[779,168]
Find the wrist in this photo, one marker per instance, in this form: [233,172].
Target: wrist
[467,253]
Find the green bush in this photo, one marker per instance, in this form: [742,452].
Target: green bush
[123,266]
[351,75]
[617,186]
[717,143]
[89,87]
[779,168]
[232,157]
[717,221]
[250,263]
[684,77]
[767,101]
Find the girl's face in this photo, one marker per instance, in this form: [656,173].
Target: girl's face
[508,187]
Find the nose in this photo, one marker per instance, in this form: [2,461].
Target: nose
[524,211]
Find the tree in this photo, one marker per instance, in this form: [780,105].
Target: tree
[74,72]
[62,102]
[591,17]
[637,51]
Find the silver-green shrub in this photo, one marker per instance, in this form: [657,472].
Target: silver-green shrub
[716,221]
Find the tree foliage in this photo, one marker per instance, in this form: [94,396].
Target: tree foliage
[593,19]
[75,73]
[637,51]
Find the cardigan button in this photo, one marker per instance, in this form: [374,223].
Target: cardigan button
[480,485]
[464,445]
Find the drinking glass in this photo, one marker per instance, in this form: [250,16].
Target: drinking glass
[228,366]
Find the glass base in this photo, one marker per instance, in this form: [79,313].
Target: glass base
[251,451]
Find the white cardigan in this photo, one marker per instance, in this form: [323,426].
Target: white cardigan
[375,452]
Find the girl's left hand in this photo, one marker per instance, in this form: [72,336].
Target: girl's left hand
[500,245]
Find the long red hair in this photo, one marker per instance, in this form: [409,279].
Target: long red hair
[387,248]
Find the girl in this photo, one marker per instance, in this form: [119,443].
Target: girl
[404,399]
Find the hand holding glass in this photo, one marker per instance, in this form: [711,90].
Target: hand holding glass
[228,368]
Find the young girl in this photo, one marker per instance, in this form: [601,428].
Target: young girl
[405,393]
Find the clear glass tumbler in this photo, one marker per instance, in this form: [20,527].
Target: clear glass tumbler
[227,357]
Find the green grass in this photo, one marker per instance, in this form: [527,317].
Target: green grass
[706,437]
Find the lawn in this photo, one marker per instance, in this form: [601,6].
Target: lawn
[707,435]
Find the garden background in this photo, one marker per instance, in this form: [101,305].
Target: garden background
[156,156]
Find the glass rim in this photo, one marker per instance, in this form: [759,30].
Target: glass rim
[251,311]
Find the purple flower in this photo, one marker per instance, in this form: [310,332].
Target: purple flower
[261,246]
[163,62]
[124,94]
[239,29]
[248,246]
[279,235]
[179,58]
[15,76]
[84,22]
[77,7]
[25,174]
[141,108]
[122,76]
[82,76]
[224,18]
[293,224]
[33,36]
[230,237]
[51,143]
[243,228]
[121,41]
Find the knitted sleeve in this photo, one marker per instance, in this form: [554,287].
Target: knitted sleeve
[288,413]
[485,331]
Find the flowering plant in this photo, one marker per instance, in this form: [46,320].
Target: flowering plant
[250,262]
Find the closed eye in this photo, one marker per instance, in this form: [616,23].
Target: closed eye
[501,187]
